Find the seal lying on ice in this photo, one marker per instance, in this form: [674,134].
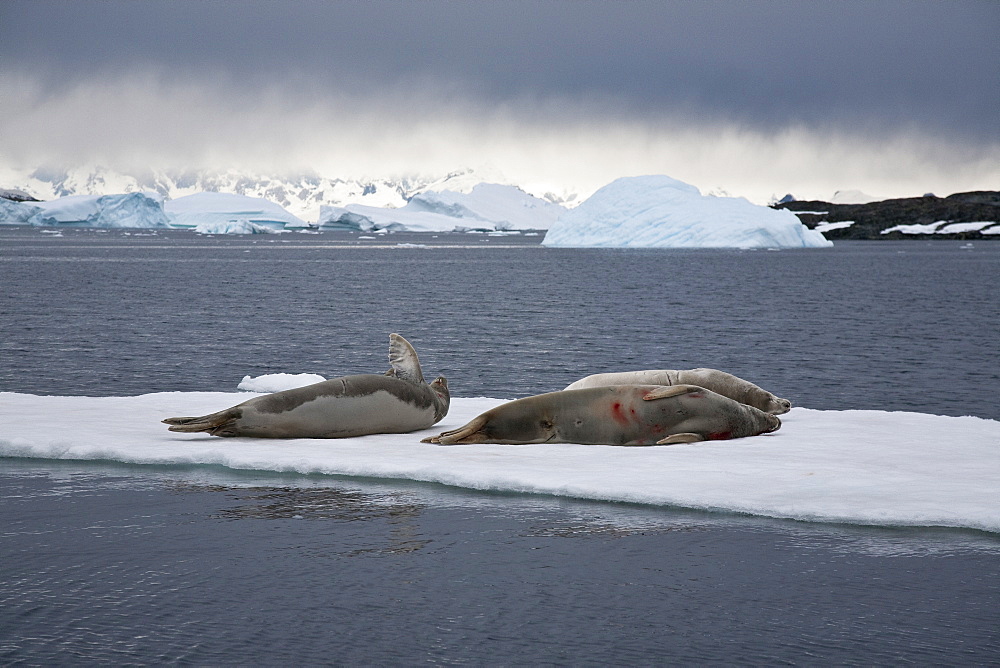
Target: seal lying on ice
[724,383]
[615,415]
[397,402]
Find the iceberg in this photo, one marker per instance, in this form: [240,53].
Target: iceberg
[852,466]
[278,382]
[237,226]
[223,213]
[16,212]
[661,212]
[487,207]
[140,210]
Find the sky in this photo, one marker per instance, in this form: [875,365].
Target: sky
[758,99]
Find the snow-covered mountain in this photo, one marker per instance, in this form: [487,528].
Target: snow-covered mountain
[486,207]
[205,202]
[301,194]
[853,197]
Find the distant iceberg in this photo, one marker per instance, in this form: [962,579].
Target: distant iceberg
[278,382]
[142,210]
[223,213]
[488,207]
[236,226]
[16,212]
[661,212]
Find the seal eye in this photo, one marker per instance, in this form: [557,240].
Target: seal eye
[545,424]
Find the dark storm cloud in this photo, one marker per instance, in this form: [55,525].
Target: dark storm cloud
[766,65]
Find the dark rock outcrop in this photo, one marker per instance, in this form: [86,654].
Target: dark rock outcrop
[869,220]
[17,195]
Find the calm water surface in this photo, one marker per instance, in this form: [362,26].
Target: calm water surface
[102,564]
[890,325]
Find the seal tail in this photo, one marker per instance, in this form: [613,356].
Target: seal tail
[222,423]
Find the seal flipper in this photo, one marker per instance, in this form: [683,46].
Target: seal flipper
[685,437]
[668,391]
[403,359]
[217,424]
[460,435]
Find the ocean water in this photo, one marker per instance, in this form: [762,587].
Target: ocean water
[126,564]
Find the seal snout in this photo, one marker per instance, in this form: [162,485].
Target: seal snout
[774,424]
[784,405]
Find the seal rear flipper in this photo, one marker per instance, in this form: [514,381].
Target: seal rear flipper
[457,436]
[179,420]
[668,391]
[685,437]
[217,424]
[404,361]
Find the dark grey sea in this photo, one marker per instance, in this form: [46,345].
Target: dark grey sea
[128,565]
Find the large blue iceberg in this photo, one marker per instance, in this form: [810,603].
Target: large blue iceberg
[224,213]
[127,210]
[661,212]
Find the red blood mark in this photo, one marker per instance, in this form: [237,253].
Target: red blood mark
[720,436]
[618,414]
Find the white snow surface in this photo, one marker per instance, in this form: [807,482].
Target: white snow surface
[141,210]
[857,466]
[944,227]
[487,206]
[826,225]
[224,213]
[661,212]
[957,228]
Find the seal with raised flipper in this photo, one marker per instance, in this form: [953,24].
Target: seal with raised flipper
[615,415]
[397,402]
[721,382]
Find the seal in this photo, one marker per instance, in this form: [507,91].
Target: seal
[615,415]
[397,402]
[721,382]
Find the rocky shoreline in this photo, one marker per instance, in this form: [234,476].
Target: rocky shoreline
[927,217]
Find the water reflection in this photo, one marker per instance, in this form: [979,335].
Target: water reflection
[402,505]
[583,529]
[326,503]
[309,503]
